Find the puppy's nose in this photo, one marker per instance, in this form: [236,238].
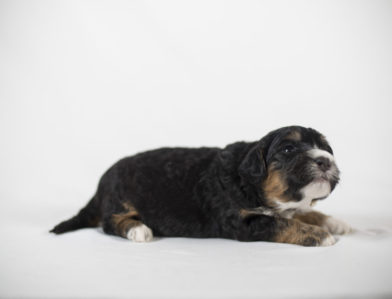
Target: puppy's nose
[323,163]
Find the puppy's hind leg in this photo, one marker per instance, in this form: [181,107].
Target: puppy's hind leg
[127,224]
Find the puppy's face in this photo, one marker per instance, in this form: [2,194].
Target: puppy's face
[300,169]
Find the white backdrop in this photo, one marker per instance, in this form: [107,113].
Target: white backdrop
[84,83]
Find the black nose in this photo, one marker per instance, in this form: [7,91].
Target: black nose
[323,163]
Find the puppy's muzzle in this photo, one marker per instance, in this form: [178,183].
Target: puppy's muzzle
[323,163]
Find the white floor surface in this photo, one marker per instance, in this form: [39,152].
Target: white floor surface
[90,264]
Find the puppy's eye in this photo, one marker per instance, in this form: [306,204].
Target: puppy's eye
[288,149]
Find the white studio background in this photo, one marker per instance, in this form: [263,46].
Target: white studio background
[85,83]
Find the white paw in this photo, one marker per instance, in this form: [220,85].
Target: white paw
[336,226]
[328,241]
[140,233]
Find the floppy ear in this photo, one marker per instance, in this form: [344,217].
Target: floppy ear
[252,168]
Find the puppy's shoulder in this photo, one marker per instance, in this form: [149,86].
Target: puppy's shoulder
[238,149]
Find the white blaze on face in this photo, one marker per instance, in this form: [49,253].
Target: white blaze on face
[317,153]
[332,173]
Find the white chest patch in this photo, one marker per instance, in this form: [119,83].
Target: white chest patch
[311,191]
[317,189]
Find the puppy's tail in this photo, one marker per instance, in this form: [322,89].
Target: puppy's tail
[89,216]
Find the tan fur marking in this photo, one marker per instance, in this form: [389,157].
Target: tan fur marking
[324,139]
[313,217]
[244,213]
[123,222]
[296,232]
[295,136]
[274,186]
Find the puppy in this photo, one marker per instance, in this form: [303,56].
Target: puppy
[247,191]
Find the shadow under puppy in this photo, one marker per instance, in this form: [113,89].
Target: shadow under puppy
[248,191]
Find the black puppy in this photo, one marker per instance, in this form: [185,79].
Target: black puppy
[248,191]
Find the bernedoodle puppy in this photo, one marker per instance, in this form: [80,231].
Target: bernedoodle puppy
[247,191]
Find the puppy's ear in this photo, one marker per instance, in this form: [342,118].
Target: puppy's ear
[252,168]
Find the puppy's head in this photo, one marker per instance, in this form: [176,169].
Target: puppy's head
[296,167]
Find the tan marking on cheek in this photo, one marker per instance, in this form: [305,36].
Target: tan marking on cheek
[313,217]
[274,186]
[295,232]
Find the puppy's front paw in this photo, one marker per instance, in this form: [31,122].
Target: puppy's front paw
[328,240]
[336,226]
[304,234]
[321,237]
